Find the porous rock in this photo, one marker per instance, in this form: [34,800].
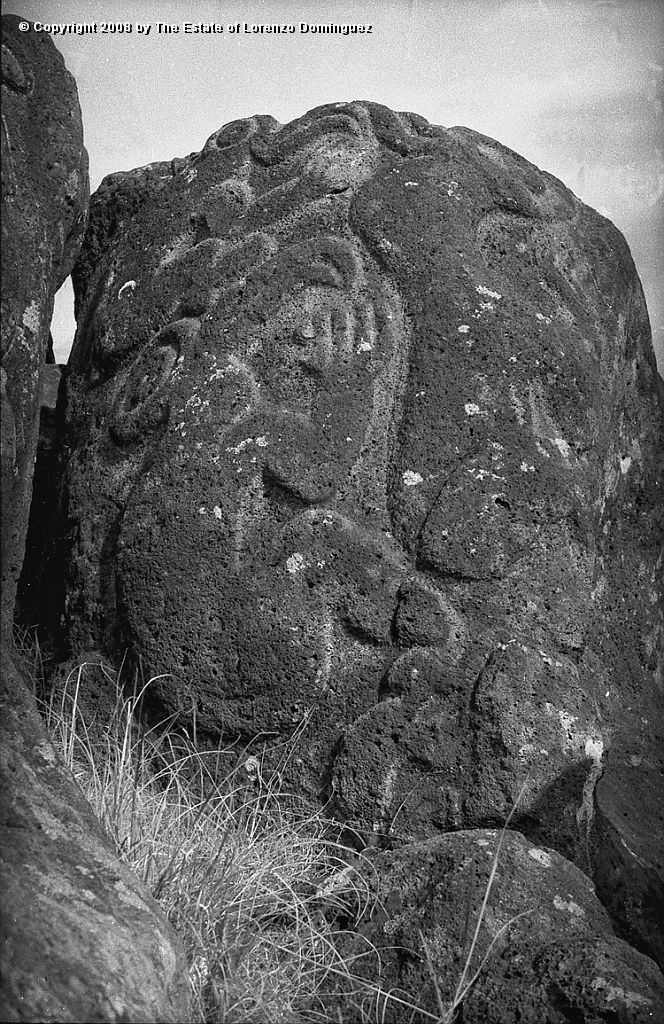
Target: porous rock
[366,447]
[81,940]
[45,193]
[545,949]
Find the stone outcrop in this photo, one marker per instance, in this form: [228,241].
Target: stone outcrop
[45,193]
[554,955]
[366,444]
[81,940]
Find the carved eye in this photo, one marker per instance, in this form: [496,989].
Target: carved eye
[143,406]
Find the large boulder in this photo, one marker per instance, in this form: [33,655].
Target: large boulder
[366,443]
[45,193]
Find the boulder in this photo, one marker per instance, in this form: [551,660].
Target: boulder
[45,193]
[545,949]
[365,449]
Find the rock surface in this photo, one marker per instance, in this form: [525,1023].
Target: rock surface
[366,446]
[45,193]
[80,939]
[555,957]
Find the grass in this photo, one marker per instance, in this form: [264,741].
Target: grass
[259,889]
[250,880]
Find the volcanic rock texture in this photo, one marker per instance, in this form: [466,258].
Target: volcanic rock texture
[80,939]
[551,953]
[366,447]
[45,195]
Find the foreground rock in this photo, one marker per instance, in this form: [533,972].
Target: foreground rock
[554,955]
[80,939]
[366,447]
[45,194]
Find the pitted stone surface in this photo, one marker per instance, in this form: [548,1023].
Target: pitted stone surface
[45,193]
[554,956]
[366,442]
[81,939]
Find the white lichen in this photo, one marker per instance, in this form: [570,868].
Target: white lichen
[31,317]
[487,291]
[562,446]
[572,907]
[612,993]
[296,563]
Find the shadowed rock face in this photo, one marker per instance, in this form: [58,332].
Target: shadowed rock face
[366,441]
[45,194]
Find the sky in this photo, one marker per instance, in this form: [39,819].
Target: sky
[575,86]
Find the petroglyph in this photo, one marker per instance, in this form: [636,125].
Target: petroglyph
[374,472]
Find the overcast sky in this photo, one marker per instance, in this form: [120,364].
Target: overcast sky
[575,86]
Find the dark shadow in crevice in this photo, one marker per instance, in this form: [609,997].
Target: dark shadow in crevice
[41,592]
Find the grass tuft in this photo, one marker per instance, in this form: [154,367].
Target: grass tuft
[252,881]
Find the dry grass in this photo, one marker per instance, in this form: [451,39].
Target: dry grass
[252,883]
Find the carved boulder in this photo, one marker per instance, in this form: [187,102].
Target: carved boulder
[366,442]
